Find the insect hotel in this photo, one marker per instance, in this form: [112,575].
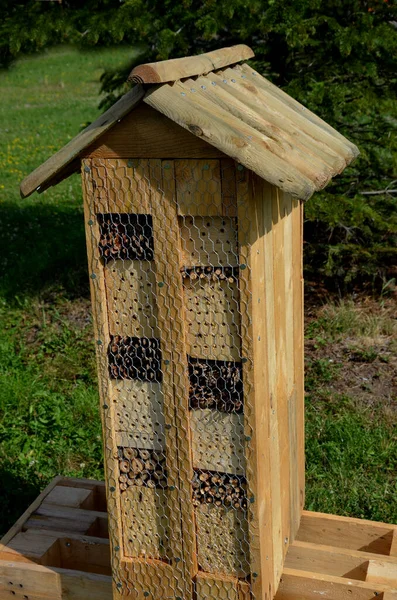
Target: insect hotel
[193,187]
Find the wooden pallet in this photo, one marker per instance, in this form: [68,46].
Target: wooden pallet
[58,550]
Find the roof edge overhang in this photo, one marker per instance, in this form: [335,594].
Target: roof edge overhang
[234,109]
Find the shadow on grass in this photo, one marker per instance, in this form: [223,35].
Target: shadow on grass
[42,250]
[17,492]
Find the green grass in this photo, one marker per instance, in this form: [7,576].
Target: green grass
[49,422]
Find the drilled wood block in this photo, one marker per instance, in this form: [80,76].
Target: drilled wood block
[138,413]
[208,241]
[222,540]
[198,187]
[218,441]
[131,301]
[212,319]
[145,522]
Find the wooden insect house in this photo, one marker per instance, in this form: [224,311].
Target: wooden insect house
[193,187]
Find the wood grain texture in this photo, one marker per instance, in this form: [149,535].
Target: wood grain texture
[218,587]
[53,167]
[95,197]
[226,132]
[346,532]
[258,350]
[208,241]
[189,66]
[146,133]
[174,362]
[287,100]
[198,187]
[309,585]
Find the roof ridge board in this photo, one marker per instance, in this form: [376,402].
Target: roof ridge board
[39,178]
[310,165]
[284,123]
[295,105]
[175,69]
[299,114]
[230,136]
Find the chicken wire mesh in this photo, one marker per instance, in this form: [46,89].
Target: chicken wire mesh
[171,303]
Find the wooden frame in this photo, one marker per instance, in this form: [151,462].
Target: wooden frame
[332,557]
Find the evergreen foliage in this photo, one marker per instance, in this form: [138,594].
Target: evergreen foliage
[339,58]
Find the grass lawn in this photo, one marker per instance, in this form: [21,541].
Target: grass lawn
[49,423]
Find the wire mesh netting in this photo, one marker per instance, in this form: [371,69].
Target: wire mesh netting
[172,314]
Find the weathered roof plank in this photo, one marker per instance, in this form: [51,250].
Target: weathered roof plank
[233,109]
[189,66]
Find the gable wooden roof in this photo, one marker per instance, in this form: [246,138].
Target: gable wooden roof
[231,107]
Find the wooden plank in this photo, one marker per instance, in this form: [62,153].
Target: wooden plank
[297,402]
[145,521]
[305,584]
[42,176]
[281,327]
[229,193]
[217,587]
[346,532]
[282,125]
[230,135]
[212,319]
[96,201]
[138,413]
[218,441]
[393,546]
[69,519]
[18,526]
[68,496]
[189,66]
[198,187]
[123,185]
[285,100]
[41,548]
[222,540]
[208,241]
[380,571]
[144,579]
[174,367]
[146,133]
[130,293]
[20,580]
[327,560]
[308,163]
[258,352]
[77,585]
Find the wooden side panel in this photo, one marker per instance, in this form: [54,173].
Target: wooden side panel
[258,351]
[136,412]
[174,359]
[146,133]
